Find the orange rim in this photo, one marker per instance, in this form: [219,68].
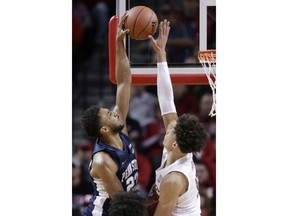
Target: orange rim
[207,55]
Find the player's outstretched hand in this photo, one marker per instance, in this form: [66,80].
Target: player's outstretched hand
[159,44]
[121,32]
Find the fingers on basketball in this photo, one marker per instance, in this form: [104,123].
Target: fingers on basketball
[142,22]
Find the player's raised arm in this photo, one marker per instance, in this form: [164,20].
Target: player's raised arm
[123,73]
[164,85]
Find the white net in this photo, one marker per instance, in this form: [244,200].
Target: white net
[208,60]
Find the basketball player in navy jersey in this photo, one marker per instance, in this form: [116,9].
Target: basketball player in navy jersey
[113,167]
[183,136]
[128,204]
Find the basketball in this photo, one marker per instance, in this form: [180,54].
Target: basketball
[141,21]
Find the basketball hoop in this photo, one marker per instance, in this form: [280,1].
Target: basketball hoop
[208,60]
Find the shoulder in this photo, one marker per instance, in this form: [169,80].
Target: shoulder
[176,180]
[103,162]
[102,159]
[173,177]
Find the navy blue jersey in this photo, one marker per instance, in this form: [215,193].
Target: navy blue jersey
[127,175]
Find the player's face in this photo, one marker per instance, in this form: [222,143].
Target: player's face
[111,119]
[169,138]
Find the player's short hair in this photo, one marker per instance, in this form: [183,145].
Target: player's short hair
[191,136]
[128,204]
[90,122]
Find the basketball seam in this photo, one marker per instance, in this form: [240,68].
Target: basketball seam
[147,24]
[137,20]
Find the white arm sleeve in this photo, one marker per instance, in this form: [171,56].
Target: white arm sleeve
[164,89]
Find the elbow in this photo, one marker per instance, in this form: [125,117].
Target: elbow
[125,80]
[129,80]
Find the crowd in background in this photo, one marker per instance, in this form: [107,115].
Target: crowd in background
[145,127]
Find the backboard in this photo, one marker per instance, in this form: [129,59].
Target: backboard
[193,28]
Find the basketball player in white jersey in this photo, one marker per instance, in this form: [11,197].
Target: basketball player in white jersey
[176,181]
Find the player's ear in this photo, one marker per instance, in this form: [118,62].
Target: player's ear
[174,145]
[104,129]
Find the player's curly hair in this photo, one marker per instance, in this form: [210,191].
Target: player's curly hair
[90,122]
[128,204]
[191,136]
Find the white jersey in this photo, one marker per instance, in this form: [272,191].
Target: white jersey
[188,204]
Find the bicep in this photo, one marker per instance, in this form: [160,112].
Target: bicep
[123,116]
[123,96]
[168,118]
[122,101]
[106,171]
[167,198]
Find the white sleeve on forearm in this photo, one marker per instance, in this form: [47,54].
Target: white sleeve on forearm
[164,89]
